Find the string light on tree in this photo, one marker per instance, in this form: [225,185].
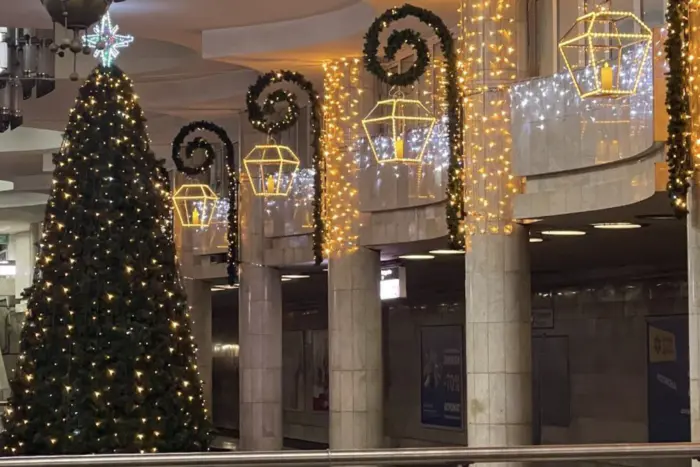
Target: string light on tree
[106,41]
[106,351]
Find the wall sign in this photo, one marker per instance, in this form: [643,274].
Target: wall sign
[392,283]
[441,377]
[668,382]
[542,318]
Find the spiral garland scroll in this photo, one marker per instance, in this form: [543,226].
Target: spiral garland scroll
[678,146]
[399,38]
[258,117]
[210,155]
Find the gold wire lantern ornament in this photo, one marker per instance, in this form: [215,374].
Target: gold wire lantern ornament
[614,60]
[195,205]
[398,130]
[271,169]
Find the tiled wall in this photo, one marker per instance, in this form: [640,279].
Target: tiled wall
[605,328]
[597,384]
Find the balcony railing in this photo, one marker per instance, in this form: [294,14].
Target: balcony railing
[426,456]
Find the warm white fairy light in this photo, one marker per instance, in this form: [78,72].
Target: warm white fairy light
[489,48]
[106,296]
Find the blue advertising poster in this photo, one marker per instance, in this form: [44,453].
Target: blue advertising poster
[668,379]
[441,378]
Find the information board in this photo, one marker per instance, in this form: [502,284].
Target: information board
[441,377]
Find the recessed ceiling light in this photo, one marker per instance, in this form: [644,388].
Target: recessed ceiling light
[529,221]
[657,217]
[286,279]
[447,252]
[295,276]
[536,240]
[563,233]
[616,226]
[417,257]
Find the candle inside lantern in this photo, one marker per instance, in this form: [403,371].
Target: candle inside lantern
[270,184]
[398,147]
[606,77]
[195,217]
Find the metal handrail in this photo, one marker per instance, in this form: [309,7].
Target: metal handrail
[444,456]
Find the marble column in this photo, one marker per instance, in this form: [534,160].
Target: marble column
[259,336]
[23,250]
[693,227]
[199,301]
[498,337]
[355,343]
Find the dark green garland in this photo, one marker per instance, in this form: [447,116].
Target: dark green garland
[258,117]
[210,155]
[397,39]
[678,152]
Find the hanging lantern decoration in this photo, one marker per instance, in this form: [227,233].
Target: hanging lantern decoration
[455,209]
[398,130]
[195,205]
[271,168]
[614,60]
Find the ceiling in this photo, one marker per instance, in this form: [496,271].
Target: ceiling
[193,60]
[657,250]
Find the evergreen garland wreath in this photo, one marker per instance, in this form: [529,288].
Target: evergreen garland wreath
[373,64]
[258,117]
[678,152]
[210,154]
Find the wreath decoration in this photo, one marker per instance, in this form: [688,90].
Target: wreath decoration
[210,155]
[678,152]
[258,115]
[412,38]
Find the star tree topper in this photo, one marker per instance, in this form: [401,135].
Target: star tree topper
[105,33]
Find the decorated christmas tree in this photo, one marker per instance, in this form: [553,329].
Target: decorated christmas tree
[107,359]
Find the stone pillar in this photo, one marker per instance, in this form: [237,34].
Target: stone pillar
[199,301]
[693,223]
[355,344]
[259,335]
[498,337]
[23,251]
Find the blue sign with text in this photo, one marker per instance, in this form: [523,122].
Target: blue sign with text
[441,376]
[668,379]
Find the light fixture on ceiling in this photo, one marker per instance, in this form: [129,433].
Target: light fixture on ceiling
[219,288]
[286,279]
[657,217]
[563,233]
[528,221]
[536,239]
[295,276]
[446,252]
[418,257]
[616,226]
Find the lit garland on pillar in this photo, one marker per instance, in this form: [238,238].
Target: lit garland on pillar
[258,117]
[341,85]
[678,145]
[694,78]
[490,67]
[107,360]
[399,38]
[210,155]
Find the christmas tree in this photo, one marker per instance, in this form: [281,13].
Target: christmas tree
[107,361]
